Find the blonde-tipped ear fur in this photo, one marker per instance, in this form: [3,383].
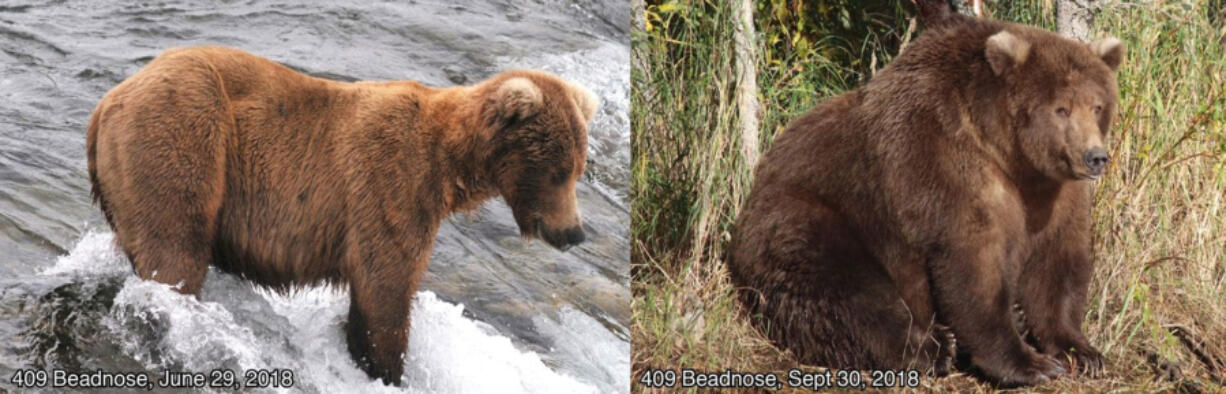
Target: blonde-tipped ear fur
[1005,51]
[587,102]
[1111,50]
[519,97]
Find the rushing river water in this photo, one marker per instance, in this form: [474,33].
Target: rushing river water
[496,313]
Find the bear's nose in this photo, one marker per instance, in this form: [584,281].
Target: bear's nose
[575,236]
[1096,159]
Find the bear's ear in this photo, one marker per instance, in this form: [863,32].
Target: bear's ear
[1110,50]
[588,103]
[516,99]
[1005,51]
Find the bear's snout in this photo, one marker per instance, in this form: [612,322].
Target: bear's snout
[1096,161]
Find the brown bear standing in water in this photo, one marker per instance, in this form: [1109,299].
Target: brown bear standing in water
[951,187]
[213,156]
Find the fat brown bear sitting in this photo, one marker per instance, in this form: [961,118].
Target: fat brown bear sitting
[923,206]
[213,156]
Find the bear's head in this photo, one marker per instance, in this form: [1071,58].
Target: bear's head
[539,150]
[1061,95]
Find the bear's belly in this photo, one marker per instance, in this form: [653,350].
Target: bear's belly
[282,233]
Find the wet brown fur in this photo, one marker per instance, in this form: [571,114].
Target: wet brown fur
[213,156]
[941,193]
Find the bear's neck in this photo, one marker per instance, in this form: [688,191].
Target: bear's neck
[462,141]
[995,125]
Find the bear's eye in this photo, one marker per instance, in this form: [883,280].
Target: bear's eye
[1062,112]
[1098,109]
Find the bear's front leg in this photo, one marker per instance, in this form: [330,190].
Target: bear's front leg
[378,331]
[380,293]
[1054,285]
[392,220]
[969,274]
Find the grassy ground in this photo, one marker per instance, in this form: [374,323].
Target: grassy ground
[1158,305]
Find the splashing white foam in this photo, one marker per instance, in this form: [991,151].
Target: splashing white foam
[94,254]
[448,353]
[200,336]
[597,351]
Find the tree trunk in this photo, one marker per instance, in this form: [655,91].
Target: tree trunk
[746,80]
[1075,18]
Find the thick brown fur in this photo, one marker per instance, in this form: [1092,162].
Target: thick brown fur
[940,194]
[213,156]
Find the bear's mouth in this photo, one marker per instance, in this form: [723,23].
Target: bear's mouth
[1088,175]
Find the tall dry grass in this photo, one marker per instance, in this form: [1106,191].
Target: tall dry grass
[1158,306]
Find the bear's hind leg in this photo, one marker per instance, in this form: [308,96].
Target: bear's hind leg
[815,290]
[168,227]
[161,162]
[182,267]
